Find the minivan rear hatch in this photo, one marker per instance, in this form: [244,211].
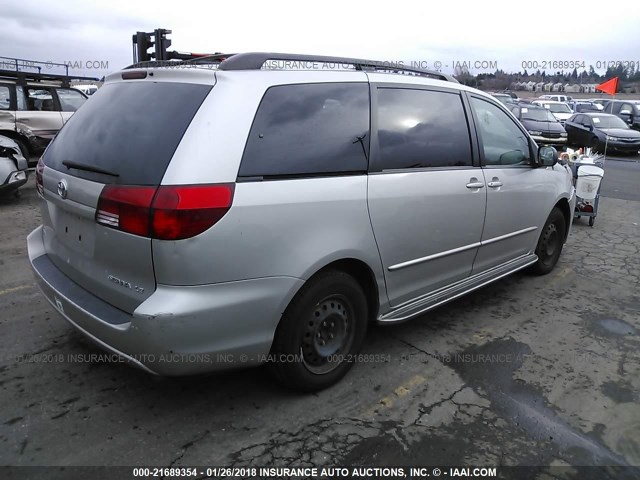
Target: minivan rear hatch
[118,145]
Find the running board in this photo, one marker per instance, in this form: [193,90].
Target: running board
[451,292]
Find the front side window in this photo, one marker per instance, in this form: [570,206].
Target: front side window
[422,128]
[309,129]
[70,100]
[502,141]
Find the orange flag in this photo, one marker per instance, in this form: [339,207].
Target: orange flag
[610,86]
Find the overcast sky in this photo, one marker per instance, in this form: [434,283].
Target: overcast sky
[506,33]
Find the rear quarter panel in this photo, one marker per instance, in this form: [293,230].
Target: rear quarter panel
[276,228]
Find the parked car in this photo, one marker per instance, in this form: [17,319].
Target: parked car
[13,166]
[560,110]
[580,106]
[598,101]
[32,113]
[600,130]
[627,110]
[202,219]
[543,127]
[556,98]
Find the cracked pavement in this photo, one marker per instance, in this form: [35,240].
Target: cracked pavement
[527,371]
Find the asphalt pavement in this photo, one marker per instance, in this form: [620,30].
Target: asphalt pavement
[527,371]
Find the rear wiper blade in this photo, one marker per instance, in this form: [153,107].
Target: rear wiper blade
[88,168]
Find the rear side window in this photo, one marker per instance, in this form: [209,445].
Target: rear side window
[308,130]
[128,129]
[5,98]
[422,128]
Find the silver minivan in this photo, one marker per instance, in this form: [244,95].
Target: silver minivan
[200,218]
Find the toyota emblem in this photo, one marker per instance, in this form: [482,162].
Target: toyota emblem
[62,188]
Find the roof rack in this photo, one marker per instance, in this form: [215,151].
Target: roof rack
[14,68]
[256,60]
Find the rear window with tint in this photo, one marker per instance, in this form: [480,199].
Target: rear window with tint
[310,129]
[130,129]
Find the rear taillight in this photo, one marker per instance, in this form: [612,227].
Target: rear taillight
[166,212]
[183,212]
[126,208]
[39,179]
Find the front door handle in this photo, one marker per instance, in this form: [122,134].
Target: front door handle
[495,184]
[475,185]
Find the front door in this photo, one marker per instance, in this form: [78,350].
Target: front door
[517,194]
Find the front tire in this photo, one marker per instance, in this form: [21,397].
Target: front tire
[321,330]
[550,243]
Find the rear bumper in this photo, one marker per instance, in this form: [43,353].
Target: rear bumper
[178,330]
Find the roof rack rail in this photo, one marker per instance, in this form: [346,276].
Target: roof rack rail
[14,68]
[256,60]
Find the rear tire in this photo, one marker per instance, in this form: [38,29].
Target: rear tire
[550,243]
[321,330]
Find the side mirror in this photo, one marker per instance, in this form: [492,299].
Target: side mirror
[547,156]
[589,127]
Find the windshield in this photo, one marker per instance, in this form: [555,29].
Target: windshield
[583,107]
[537,114]
[558,108]
[608,121]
